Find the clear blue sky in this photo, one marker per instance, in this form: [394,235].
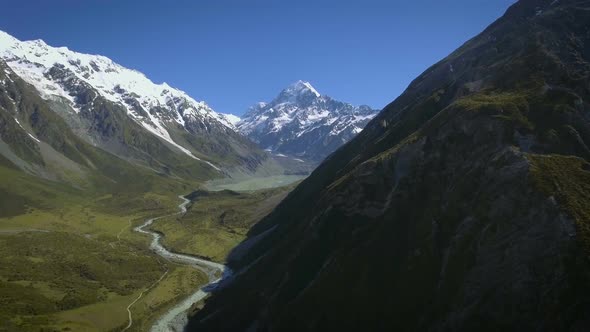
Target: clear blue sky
[232,54]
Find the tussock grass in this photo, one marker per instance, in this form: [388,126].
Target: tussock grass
[567,179]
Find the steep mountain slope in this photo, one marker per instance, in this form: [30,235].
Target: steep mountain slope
[123,112]
[36,140]
[462,206]
[301,122]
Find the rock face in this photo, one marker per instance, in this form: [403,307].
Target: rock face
[464,205]
[302,123]
[121,111]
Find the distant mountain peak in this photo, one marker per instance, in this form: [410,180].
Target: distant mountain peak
[302,122]
[297,93]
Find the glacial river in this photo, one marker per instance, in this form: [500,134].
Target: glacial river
[176,318]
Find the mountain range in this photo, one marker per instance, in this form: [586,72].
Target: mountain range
[155,126]
[303,123]
[114,109]
[462,206]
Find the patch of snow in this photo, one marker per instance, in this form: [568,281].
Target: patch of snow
[311,88]
[210,164]
[35,138]
[233,119]
[300,87]
[23,128]
[20,125]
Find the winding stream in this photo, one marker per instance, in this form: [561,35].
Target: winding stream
[176,318]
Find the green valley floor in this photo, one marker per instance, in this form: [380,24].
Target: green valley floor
[70,260]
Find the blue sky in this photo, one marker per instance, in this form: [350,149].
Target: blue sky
[232,54]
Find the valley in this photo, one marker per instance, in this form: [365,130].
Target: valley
[83,270]
[76,263]
[254,183]
[93,157]
[89,151]
[128,204]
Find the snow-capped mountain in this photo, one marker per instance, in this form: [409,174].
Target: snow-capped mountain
[88,86]
[301,122]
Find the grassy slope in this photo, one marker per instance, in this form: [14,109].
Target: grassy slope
[567,179]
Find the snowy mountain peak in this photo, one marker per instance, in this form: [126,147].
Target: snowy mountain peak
[301,87]
[297,93]
[302,122]
[233,119]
